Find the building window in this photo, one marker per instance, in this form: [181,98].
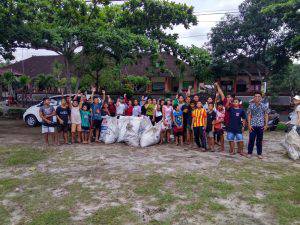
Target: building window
[227,86]
[158,86]
[241,86]
[256,85]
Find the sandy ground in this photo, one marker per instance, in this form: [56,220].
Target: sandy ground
[111,167]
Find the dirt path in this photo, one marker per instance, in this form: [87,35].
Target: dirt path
[157,185]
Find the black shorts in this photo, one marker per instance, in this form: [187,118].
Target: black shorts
[97,124]
[85,129]
[63,128]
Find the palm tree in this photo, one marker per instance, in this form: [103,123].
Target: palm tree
[9,80]
[24,81]
[45,82]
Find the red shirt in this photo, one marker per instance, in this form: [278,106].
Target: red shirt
[112,109]
[128,111]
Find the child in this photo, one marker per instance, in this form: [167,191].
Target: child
[150,109]
[129,109]
[75,120]
[121,106]
[136,111]
[96,117]
[157,114]
[167,118]
[187,119]
[211,119]
[199,122]
[237,120]
[111,106]
[63,116]
[47,112]
[85,123]
[105,110]
[178,125]
[219,132]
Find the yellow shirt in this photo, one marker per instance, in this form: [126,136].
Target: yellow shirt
[199,116]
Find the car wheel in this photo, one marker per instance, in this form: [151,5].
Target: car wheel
[31,120]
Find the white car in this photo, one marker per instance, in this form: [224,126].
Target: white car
[32,116]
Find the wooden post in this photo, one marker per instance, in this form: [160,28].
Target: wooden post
[195,86]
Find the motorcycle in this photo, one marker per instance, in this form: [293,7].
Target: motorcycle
[273,120]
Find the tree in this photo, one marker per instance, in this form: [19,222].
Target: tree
[258,36]
[286,80]
[44,82]
[136,83]
[9,80]
[24,81]
[200,60]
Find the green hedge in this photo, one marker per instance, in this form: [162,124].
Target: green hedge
[13,113]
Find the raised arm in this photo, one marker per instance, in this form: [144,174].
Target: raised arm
[103,95]
[221,93]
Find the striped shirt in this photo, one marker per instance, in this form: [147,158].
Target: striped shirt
[199,116]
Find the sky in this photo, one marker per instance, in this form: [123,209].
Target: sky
[197,35]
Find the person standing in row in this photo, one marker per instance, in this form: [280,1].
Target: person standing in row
[211,120]
[235,126]
[63,116]
[257,124]
[199,122]
[47,113]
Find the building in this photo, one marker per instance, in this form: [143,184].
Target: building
[175,77]
[34,65]
[246,79]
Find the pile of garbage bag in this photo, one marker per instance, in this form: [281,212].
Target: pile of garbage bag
[135,131]
[292,144]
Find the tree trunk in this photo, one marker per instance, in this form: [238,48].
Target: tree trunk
[77,83]
[68,75]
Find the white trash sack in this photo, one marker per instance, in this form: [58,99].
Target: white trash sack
[145,124]
[122,124]
[132,135]
[292,144]
[109,130]
[151,136]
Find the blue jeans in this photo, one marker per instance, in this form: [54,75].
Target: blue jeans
[257,134]
[234,136]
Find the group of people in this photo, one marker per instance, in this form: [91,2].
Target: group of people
[186,117]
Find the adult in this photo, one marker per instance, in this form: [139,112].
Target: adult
[257,124]
[47,113]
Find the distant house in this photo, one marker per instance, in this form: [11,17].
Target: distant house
[34,65]
[176,75]
[246,79]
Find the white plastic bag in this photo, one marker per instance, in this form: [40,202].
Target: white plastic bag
[122,124]
[103,128]
[292,144]
[151,136]
[132,136]
[110,133]
[145,124]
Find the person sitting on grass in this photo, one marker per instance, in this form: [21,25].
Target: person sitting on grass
[85,123]
[47,113]
[211,119]
[236,124]
[178,125]
[63,117]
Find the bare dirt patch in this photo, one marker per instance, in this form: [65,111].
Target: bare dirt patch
[162,184]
